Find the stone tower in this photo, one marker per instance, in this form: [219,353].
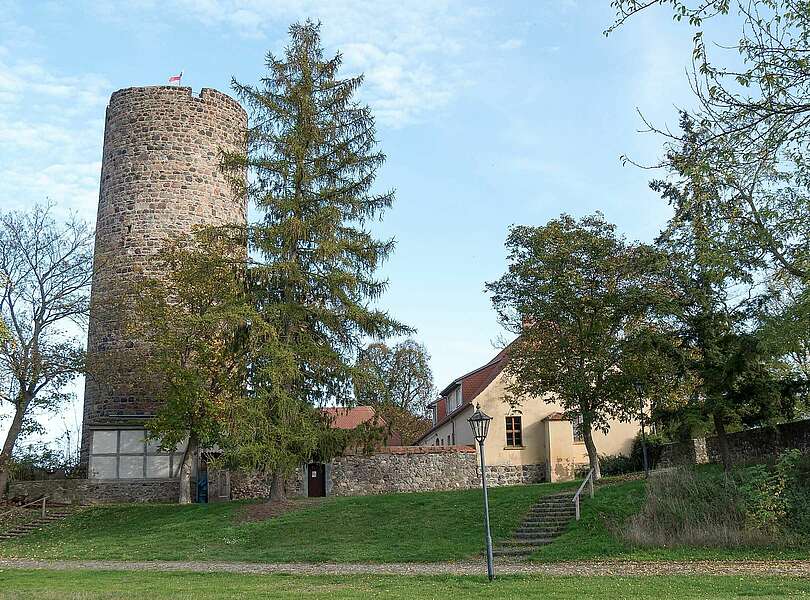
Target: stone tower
[160,177]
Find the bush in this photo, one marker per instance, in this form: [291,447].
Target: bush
[687,508]
[757,504]
[655,444]
[763,492]
[794,468]
[38,461]
[619,464]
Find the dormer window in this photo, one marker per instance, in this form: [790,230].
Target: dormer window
[454,399]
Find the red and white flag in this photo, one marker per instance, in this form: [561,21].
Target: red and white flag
[176,78]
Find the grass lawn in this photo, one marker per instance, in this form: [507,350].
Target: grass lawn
[596,535]
[434,526]
[46,585]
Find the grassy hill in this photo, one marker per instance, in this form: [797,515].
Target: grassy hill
[422,527]
[434,526]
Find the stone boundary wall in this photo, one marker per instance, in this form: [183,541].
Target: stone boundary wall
[404,469]
[515,474]
[749,446]
[247,486]
[397,469]
[97,491]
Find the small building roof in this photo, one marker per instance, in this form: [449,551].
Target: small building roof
[472,384]
[350,418]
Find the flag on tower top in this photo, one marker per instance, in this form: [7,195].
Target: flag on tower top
[176,78]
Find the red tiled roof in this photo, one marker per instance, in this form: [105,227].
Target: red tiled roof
[472,384]
[349,418]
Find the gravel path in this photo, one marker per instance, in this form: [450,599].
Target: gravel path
[590,568]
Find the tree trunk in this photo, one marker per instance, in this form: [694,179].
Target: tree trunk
[725,455]
[593,456]
[277,493]
[186,468]
[8,445]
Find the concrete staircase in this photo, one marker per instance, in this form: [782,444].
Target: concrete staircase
[53,514]
[546,520]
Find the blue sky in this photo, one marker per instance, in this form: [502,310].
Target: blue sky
[490,113]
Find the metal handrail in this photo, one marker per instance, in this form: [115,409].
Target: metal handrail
[41,500]
[588,479]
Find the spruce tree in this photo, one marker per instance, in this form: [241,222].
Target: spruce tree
[312,159]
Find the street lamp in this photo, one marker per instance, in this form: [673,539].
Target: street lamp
[640,393]
[479,423]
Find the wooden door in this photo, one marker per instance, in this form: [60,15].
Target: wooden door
[219,486]
[316,480]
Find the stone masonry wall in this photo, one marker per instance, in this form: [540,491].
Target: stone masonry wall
[398,469]
[160,177]
[515,474]
[96,491]
[421,469]
[752,445]
[244,486]
[405,469]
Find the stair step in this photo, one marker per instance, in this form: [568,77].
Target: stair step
[535,535]
[550,522]
[547,531]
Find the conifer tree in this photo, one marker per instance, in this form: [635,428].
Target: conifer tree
[312,159]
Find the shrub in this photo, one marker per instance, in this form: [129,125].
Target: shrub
[794,468]
[617,464]
[687,508]
[763,493]
[655,444]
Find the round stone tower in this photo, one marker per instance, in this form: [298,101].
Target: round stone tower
[160,177]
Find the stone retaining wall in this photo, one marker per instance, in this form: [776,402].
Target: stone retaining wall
[97,491]
[752,445]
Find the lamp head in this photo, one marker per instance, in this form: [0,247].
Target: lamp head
[479,423]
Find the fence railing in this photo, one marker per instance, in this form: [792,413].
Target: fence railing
[41,501]
[589,480]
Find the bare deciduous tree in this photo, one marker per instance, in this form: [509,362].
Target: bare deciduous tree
[45,273]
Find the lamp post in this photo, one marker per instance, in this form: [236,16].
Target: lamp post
[640,392]
[479,423]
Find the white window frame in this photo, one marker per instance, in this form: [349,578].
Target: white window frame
[148,449]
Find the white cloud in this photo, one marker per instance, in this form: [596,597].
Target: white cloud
[416,55]
[51,130]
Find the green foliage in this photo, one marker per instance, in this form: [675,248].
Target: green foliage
[40,461]
[736,378]
[201,330]
[45,272]
[577,294]
[754,108]
[756,505]
[793,468]
[634,463]
[312,161]
[617,464]
[763,492]
[398,382]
